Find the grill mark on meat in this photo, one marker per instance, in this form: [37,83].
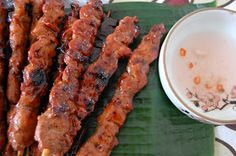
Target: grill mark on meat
[102,79]
[62,108]
[82,102]
[38,77]
[131,82]
[108,25]
[98,74]
[77,55]
[40,56]
[96,77]
[3,38]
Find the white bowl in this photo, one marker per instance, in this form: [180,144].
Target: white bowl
[202,83]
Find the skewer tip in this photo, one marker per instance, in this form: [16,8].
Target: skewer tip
[46,152]
[20,153]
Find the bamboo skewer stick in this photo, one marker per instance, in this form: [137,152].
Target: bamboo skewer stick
[20,153]
[46,152]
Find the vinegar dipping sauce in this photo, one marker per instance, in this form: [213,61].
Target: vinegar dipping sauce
[197,65]
[204,69]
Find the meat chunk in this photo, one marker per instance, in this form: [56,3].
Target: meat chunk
[36,11]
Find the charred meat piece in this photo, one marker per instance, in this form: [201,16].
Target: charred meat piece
[131,82]
[58,126]
[3,36]
[22,125]
[19,33]
[62,95]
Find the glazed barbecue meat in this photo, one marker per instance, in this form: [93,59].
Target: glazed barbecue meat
[66,37]
[98,74]
[48,24]
[23,20]
[37,12]
[19,33]
[26,17]
[3,27]
[22,125]
[58,126]
[76,57]
[130,83]
[107,27]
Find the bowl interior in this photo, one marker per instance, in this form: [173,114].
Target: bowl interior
[200,61]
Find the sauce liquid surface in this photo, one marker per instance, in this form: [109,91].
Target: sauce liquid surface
[208,69]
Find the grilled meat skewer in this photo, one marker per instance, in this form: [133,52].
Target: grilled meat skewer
[98,74]
[76,58]
[65,37]
[107,27]
[3,27]
[131,82]
[23,19]
[22,125]
[19,33]
[58,126]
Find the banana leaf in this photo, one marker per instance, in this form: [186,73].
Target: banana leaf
[155,127]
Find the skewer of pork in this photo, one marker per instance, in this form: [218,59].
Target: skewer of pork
[58,126]
[65,37]
[77,56]
[131,82]
[25,16]
[24,19]
[3,27]
[19,33]
[22,125]
[107,27]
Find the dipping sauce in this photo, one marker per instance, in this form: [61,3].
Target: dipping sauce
[204,70]
[197,65]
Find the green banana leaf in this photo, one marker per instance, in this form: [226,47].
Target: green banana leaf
[155,127]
